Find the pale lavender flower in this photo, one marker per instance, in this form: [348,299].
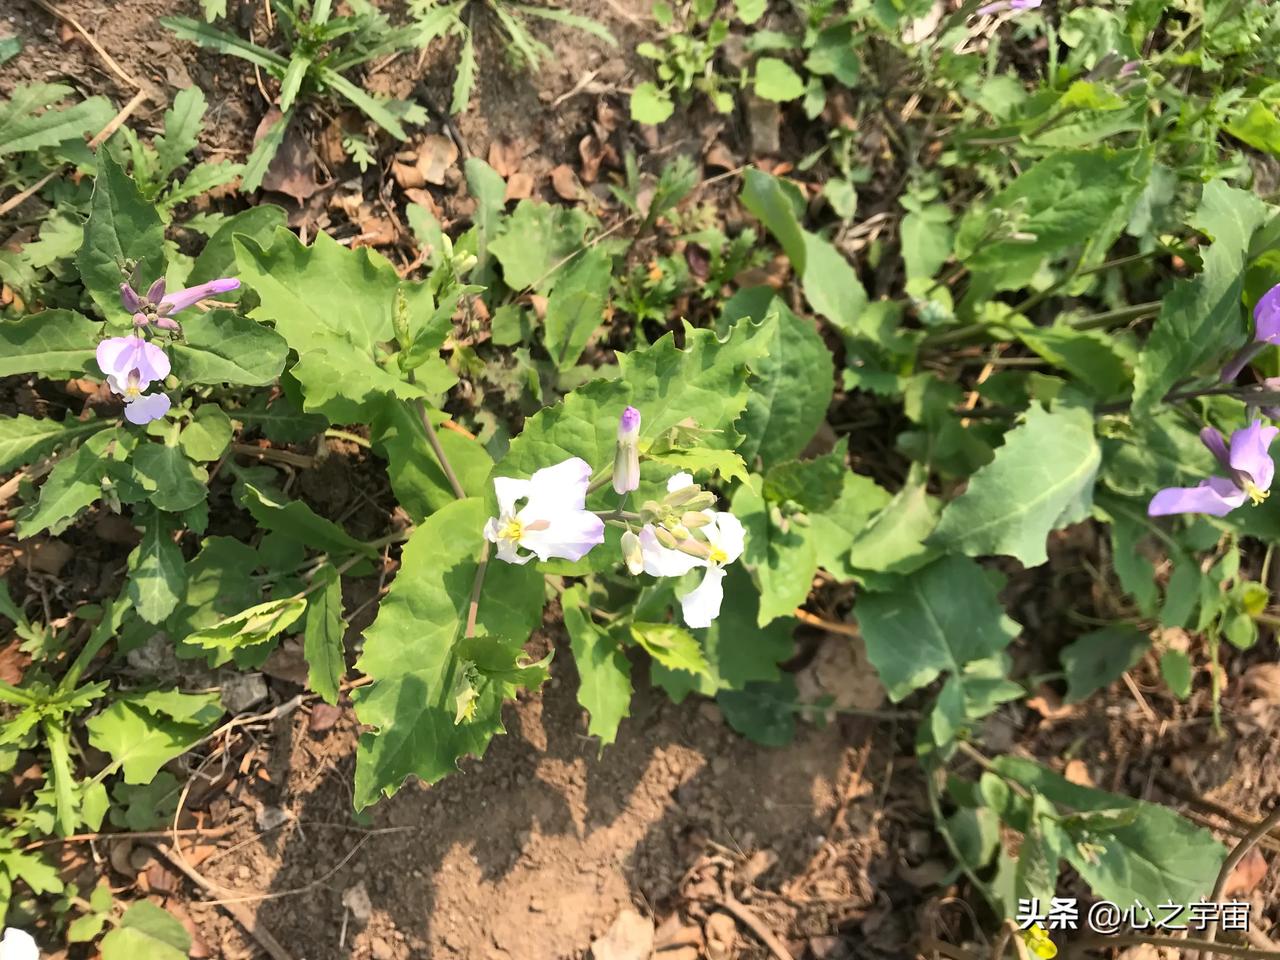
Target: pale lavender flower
[553,522]
[1266,332]
[159,307]
[1248,464]
[1008,6]
[148,407]
[626,459]
[130,365]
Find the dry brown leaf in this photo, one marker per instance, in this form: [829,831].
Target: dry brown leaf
[436,154]
[406,172]
[592,155]
[1248,873]
[1263,680]
[721,157]
[1077,771]
[423,198]
[49,556]
[293,169]
[630,938]
[504,157]
[565,183]
[13,664]
[519,187]
[1048,704]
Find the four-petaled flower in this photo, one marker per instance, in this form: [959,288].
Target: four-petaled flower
[131,364]
[1248,464]
[553,522]
[1266,332]
[158,307]
[18,945]
[725,539]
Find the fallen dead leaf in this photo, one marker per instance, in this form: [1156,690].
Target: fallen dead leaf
[630,938]
[436,155]
[13,663]
[504,157]
[1248,873]
[1048,704]
[323,718]
[593,154]
[293,169]
[1263,680]
[722,935]
[49,556]
[721,157]
[519,186]
[1077,771]
[565,183]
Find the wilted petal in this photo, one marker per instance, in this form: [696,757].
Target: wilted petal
[1212,439]
[18,945]
[1249,453]
[660,561]
[569,535]
[148,407]
[181,299]
[1266,317]
[564,485]
[1216,496]
[702,605]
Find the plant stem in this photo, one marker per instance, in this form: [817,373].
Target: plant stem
[1224,875]
[433,439]
[473,608]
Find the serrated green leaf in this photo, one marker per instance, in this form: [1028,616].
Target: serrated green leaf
[703,461]
[783,562]
[939,618]
[157,570]
[181,129]
[24,439]
[1258,127]
[146,933]
[22,130]
[671,645]
[173,483]
[297,520]
[264,151]
[791,388]
[322,635]
[1201,318]
[218,258]
[122,226]
[466,79]
[815,485]
[142,741]
[604,672]
[1097,659]
[1040,480]
[51,343]
[537,238]
[250,628]
[411,652]
[861,498]
[75,483]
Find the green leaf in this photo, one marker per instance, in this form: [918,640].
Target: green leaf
[834,54]
[651,104]
[25,439]
[762,712]
[1258,127]
[576,305]
[703,461]
[466,79]
[322,635]
[146,933]
[251,627]
[157,570]
[416,477]
[264,151]
[1040,480]
[208,434]
[172,481]
[291,82]
[706,382]
[75,483]
[22,130]
[140,735]
[412,653]
[1200,318]
[122,226]
[604,672]
[370,106]
[538,238]
[1158,858]
[279,420]
[939,618]
[815,485]
[1099,658]
[791,389]
[1088,355]
[297,520]
[181,129]
[777,81]
[779,205]
[672,646]
[783,561]
[218,258]
[52,343]
[1175,667]
[212,38]
[861,498]
[223,347]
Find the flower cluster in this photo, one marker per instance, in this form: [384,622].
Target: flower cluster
[546,515]
[131,364]
[1249,467]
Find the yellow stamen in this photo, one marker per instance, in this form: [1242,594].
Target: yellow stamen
[513,529]
[718,556]
[1258,496]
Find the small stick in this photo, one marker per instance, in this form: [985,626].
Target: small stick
[831,626]
[18,199]
[118,120]
[206,833]
[1229,865]
[97,47]
[743,915]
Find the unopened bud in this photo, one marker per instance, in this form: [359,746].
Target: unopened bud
[140,320]
[679,532]
[155,293]
[665,538]
[129,297]
[166,323]
[693,519]
[632,553]
[800,519]
[695,548]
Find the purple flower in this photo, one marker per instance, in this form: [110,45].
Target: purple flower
[1248,463]
[1011,6]
[158,307]
[1266,331]
[626,459]
[130,365]
[148,407]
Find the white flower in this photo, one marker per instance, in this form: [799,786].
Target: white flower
[18,945]
[553,521]
[725,539]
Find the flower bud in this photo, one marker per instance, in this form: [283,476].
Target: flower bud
[695,548]
[167,323]
[140,320]
[626,460]
[693,519]
[632,553]
[130,299]
[679,532]
[665,538]
[155,293]
[651,512]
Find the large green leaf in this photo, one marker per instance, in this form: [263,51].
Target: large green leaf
[223,347]
[783,561]
[705,382]
[75,483]
[1200,318]
[939,618]
[146,932]
[157,570]
[413,652]
[1158,858]
[538,238]
[1100,657]
[250,628]
[861,498]
[790,391]
[1040,480]
[122,227]
[218,258]
[576,306]
[604,672]
[23,130]
[23,439]
[172,482]
[297,520]
[143,732]
[322,636]
[52,343]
